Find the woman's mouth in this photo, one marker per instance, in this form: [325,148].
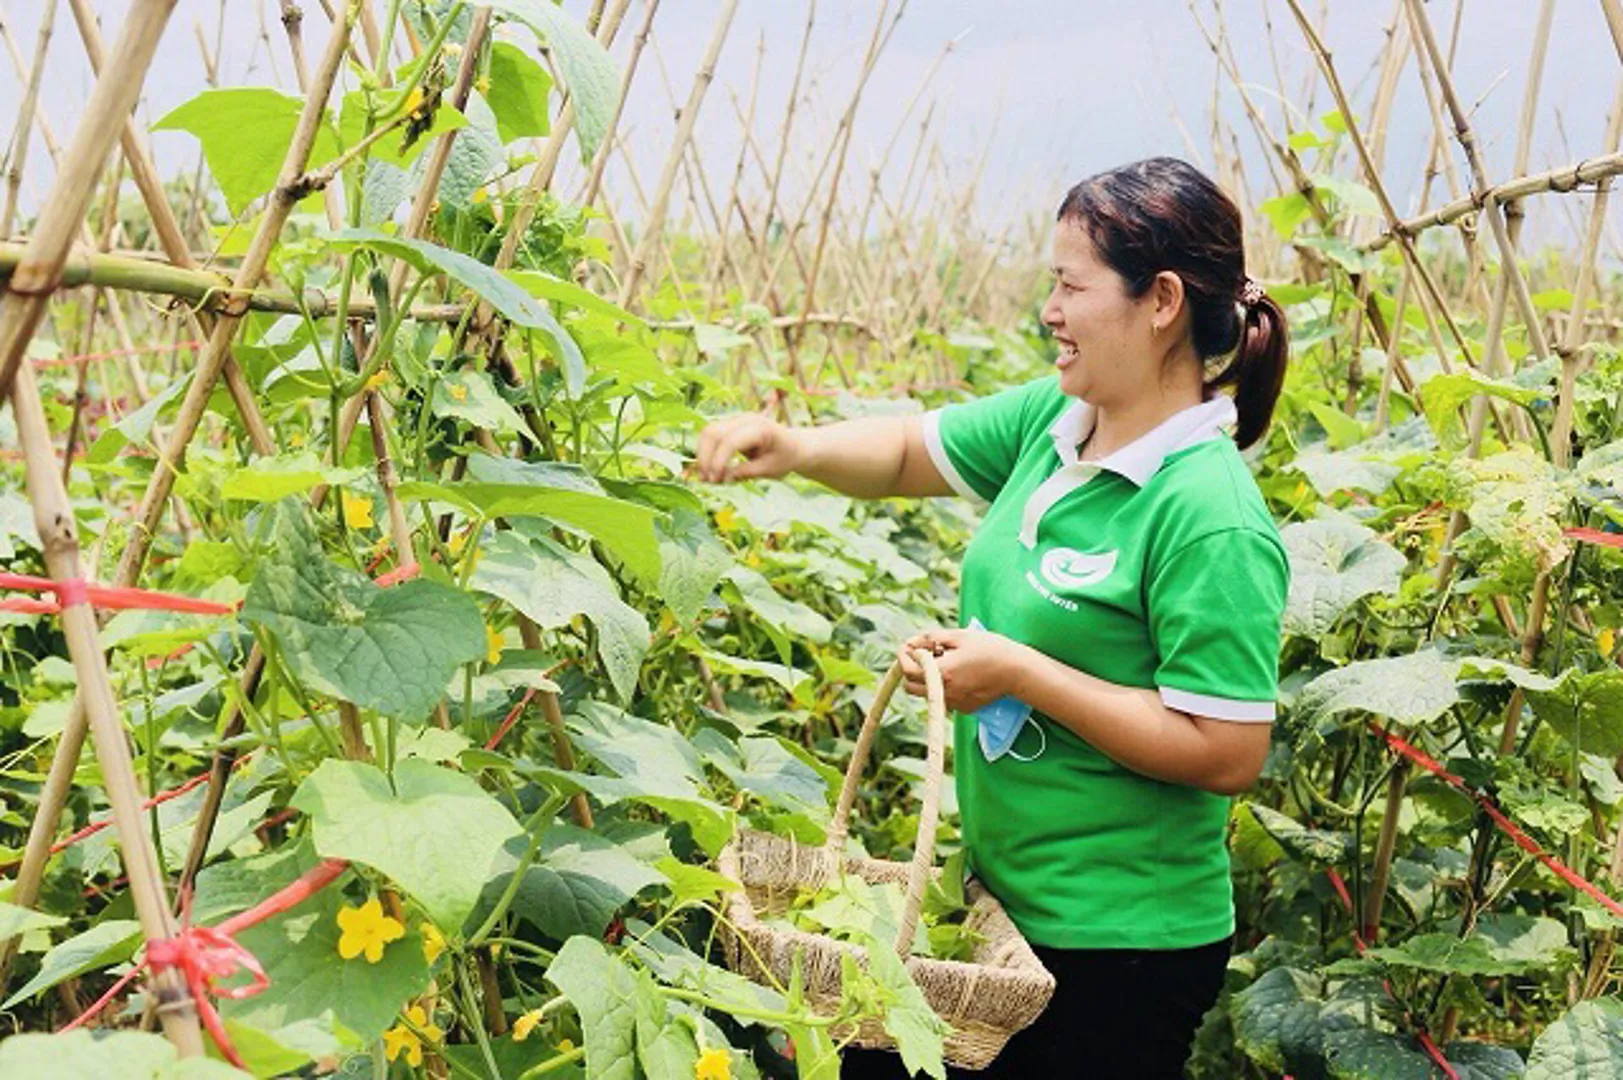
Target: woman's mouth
[1067,355]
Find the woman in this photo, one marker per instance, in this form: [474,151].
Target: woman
[1127,583]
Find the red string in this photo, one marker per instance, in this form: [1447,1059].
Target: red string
[107,597]
[400,573]
[83,358]
[1421,1037]
[1508,827]
[206,954]
[510,719]
[1595,536]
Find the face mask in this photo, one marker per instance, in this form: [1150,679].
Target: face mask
[998,724]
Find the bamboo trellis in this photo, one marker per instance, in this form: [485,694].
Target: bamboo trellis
[829,220]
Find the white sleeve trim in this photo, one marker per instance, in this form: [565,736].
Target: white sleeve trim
[938,457]
[1216,708]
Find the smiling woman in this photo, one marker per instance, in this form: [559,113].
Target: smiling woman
[1126,585]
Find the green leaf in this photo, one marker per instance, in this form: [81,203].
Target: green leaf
[1276,1021]
[585,67]
[1301,842]
[789,678]
[539,283]
[16,920]
[103,945]
[551,585]
[272,478]
[578,883]
[909,1020]
[763,765]
[1585,709]
[625,528]
[1354,197]
[786,618]
[1360,1053]
[490,284]
[1585,1041]
[1369,466]
[603,991]
[1518,501]
[1409,689]
[519,87]
[391,650]
[681,967]
[691,562]
[689,882]
[1445,394]
[470,396]
[1334,562]
[310,981]
[245,132]
[712,824]
[1287,212]
[437,832]
[666,1050]
[134,428]
[96,1055]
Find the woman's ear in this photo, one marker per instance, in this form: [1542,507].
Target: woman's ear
[1167,291]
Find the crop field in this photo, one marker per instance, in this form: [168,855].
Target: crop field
[385,693]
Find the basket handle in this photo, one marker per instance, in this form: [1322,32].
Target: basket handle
[918,875]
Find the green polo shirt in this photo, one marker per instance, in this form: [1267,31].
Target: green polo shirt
[1156,567]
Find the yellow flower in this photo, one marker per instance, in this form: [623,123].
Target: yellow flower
[493,645]
[1606,641]
[460,393]
[433,941]
[526,1024]
[366,929]
[458,542]
[482,84]
[564,1046]
[357,511]
[415,100]
[726,521]
[713,1065]
[400,1037]
[296,439]
[481,195]
[451,48]
[378,380]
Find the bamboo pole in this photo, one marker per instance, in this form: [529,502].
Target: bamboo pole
[167,227]
[204,290]
[601,159]
[650,232]
[35,278]
[157,493]
[59,220]
[23,133]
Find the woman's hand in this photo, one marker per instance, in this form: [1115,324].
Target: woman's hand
[977,666]
[770,449]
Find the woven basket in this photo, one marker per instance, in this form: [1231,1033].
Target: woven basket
[985,1000]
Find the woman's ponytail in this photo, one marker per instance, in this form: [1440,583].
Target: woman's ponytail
[1257,371]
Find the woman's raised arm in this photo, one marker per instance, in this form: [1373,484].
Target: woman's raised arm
[871,458]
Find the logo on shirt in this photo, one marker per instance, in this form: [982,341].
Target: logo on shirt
[1067,568]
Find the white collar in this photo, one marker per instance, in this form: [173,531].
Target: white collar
[1142,458]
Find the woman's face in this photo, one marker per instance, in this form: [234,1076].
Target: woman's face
[1107,349]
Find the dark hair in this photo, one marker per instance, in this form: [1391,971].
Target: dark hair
[1164,214]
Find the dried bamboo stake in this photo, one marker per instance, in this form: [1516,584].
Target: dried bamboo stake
[776,177]
[167,227]
[541,174]
[746,122]
[281,202]
[292,22]
[1534,630]
[23,133]
[1564,179]
[1571,358]
[1493,362]
[601,159]
[53,515]
[204,290]
[651,228]
[61,217]
[1411,256]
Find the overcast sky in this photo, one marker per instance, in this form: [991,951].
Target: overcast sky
[1057,88]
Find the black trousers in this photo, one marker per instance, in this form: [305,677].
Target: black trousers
[1115,1013]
